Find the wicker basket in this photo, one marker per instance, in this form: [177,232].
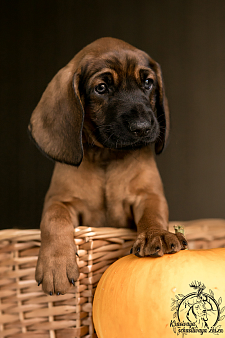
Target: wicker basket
[25,311]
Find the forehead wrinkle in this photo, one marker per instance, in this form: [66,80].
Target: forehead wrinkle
[101,73]
[92,66]
[114,63]
[131,64]
[126,64]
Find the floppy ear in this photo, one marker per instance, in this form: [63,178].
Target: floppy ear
[162,110]
[57,121]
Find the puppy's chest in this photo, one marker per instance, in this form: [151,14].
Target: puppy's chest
[118,201]
[107,195]
[110,191]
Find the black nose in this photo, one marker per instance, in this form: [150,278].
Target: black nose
[140,128]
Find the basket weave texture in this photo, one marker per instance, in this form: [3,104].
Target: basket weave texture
[26,312]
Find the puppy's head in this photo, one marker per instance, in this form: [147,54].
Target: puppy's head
[112,93]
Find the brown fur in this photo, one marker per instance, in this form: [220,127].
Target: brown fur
[105,172]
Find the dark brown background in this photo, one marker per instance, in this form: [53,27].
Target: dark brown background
[186,37]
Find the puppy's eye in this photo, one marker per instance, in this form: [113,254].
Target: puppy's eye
[148,84]
[101,88]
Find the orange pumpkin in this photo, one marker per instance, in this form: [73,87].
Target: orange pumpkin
[181,294]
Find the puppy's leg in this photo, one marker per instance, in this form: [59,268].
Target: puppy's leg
[56,267]
[153,237]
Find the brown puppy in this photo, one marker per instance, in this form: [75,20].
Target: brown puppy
[98,119]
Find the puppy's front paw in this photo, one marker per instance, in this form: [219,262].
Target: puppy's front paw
[57,268]
[156,243]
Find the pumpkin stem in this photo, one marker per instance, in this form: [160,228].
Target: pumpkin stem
[179,228]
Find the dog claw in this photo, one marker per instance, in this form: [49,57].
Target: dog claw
[72,282]
[185,245]
[39,282]
[137,252]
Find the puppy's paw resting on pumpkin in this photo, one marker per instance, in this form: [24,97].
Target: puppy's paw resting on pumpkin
[156,243]
[57,268]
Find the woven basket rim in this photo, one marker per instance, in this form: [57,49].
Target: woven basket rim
[210,225]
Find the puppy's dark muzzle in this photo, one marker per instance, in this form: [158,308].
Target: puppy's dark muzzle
[140,128]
